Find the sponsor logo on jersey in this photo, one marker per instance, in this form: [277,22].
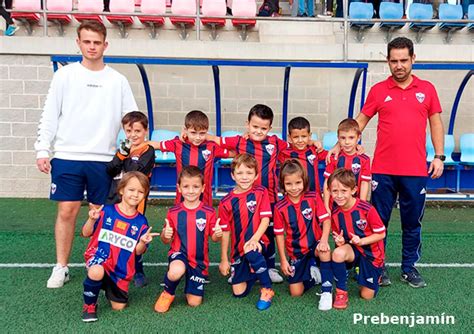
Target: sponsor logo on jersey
[201,224]
[252,205]
[53,188]
[134,230]
[374,185]
[307,213]
[420,97]
[197,279]
[270,148]
[311,158]
[121,225]
[206,154]
[118,240]
[355,168]
[388,99]
[361,224]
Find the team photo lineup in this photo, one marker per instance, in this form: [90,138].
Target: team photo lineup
[325,232]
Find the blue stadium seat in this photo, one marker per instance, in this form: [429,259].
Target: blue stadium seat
[467,149]
[278,134]
[449,145]
[314,136]
[160,135]
[391,11]
[329,140]
[450,12]
[419,11]
[361,10]
[470,16]
[230,133]
[120,137]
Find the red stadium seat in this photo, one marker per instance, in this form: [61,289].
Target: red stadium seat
[121,6]
[60,19]
[244,8]
[183,7]
[213,8]
[153,7]
[93,6]
[27,18]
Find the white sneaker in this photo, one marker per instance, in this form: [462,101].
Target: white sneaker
[315,274]
[59,276]
[229,280]
[275,277]
[325,302]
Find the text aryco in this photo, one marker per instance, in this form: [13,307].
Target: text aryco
[117,240]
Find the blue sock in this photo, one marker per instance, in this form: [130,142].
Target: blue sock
[309,284]
[170,286]
[259,266]
[326,276]
[340,275]
[91,291]
[139,264]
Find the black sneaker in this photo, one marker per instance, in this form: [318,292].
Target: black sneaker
[414,279]
[140,280]
[384,279]
[89,313]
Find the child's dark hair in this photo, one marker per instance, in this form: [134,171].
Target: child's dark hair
[244,159]
[94,26]
[400,43]
[190,171]
[348,124]
[197,120]
[142,179]
[261,111]
[299,123]
[345,176]
[135,117]
[290,167]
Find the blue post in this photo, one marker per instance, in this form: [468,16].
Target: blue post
[149,101]
[217,96]
[284,119]
[364,87]
[456,101]
[352,97]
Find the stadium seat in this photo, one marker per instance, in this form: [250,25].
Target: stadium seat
[419,11]
[449,145]
[122,21]
[27,19]
[450,12]
[361,10]
[390,11]
[314,136]
[183,7]
[467,149]
[244,8]
[92,6]
[120,137]
[153,7]
[470,16]
[329,140]
[160,135]
[60,19]
[228,134]
[213,8]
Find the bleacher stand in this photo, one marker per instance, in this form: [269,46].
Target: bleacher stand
[27,19]
[122,21]
[60,20]
[361,10]
[213,8]
[183,7]
[392,11]
[419,11]
[244,8]
[450,12]
[92,6]
[153,7]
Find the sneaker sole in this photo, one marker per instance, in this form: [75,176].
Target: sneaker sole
[411,284]
[339,307]
[89,320]
[324,309]
[55,286]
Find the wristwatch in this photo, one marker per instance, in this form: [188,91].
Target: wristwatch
[440,157]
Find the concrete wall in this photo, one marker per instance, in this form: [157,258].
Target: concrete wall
[321,95]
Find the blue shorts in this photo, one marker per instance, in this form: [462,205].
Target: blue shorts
[302,268]
[240,270]
[69,179]
[195,279]
[369,275]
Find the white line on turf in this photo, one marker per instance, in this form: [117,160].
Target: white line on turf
[215,264]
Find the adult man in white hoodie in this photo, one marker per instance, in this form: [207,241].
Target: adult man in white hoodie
[78,130]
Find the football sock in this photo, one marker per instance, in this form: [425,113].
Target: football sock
[259,266]
[170,286]
[139,264]
[340,275]
[91,291]
[326,276]
[269,253]
[309,284]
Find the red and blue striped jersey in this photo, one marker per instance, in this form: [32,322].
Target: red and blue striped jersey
[191,231]
[362,220]
[266,152]
[113,243]
[301,222]
[309,159]
[201,156]
[241,214]
[359,164]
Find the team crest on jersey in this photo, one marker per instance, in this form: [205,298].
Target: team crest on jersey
[374,185]
[361,224]
[355,168]
[270,148]
[108,221]
[311,158]
[307,213]
[53,188]
[134,230]
[420,97]
[201,224]
[206,154]
[252,205]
